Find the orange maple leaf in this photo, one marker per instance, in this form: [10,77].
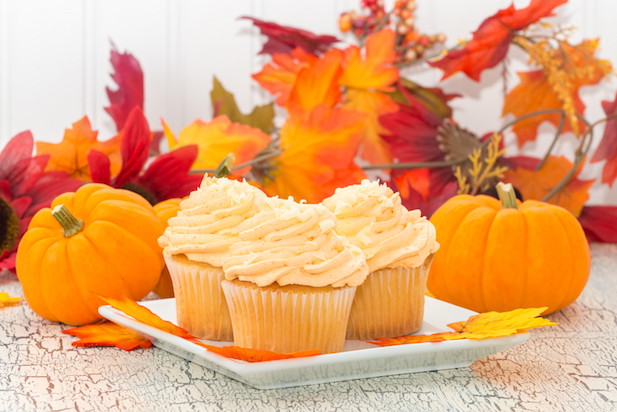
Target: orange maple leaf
[216,139]
[71,154]
[279,76]
[537,184]
[373,104]
[318,83]
[481,326]
[146,316]
[318,151]
[6,300]
[108,334]
[374,71]
[538,91]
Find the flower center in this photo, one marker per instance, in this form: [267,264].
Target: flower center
[142,191]
[9,226]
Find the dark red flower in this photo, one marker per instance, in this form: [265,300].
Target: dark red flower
[25,188]
[166,177]
[283,39]
[426,190]
[130,93]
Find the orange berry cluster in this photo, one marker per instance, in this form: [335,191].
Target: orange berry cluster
[411,45]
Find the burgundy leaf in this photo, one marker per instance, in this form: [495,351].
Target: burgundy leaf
[130,93]
[283,39]
[599,223]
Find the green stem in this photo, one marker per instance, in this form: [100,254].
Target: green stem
[70,224]
[507,196]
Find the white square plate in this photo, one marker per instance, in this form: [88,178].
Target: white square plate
[358,360]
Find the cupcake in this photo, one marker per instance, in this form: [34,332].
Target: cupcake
[290,279]
[398,245]
[195,245]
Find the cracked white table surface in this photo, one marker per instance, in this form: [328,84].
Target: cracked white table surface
[572,366]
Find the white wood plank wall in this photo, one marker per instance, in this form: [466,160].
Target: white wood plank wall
[54,57]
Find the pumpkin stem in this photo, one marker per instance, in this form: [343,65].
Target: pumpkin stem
[506,194]
[70,224]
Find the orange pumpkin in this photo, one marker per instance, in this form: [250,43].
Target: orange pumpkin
[165,210]
[502,255]
[96,241]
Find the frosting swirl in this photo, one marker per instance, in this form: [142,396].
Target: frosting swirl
[373,218]
[207,223]
[294,243]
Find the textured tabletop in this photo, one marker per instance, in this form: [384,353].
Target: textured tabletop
[572,366]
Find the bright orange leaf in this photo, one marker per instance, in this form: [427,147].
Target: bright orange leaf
[108,334]
[375,70]
[318,83]
[96,336]
[537,184]
[538,91]
[71,154]
[318,151]
[216,139]
[6,300]
[279,76]
[373,148]
[481,326]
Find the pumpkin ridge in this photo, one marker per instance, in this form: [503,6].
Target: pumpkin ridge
[484,250]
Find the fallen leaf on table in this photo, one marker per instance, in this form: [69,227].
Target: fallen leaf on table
[108,334]
[481,326]
[144,315]
[6,300]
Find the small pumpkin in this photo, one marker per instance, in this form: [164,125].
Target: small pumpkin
[500,255]
[165,210]
[95,241]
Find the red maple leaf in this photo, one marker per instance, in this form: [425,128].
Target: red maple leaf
[283,39]
[607,149]
[491,41]
[166,177]
[130,93]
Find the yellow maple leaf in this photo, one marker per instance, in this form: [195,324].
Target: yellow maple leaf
[216,139]
[481,326]
[537,184]
[71,154]
[6,300]
[375,70]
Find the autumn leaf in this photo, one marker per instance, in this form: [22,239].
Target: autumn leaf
[262,117]
[537,184]
[318,151]
[373,148]
[491,41]
[607,149]
[254,355]
[145,316]
[130,92]
[108,334]
[538,91]
[216,139]
[279,76]
[599,223]
[318,83]
[6,300]
[481,326]
[375,70]
[71,154]
[284,39]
